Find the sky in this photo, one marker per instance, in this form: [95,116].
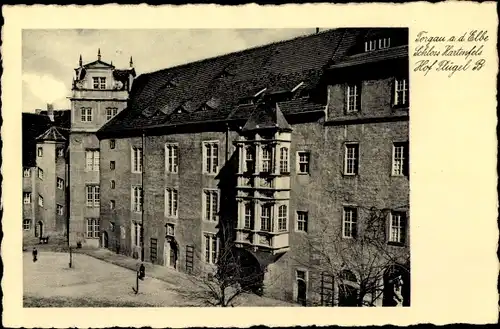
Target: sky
[49,57]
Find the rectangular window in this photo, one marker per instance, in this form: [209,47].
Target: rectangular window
[302,221]
[136,160]
[93,228]
[210,157]
[40,152]
[95,82]
[211,248]
[92,160]
[303,162]
[40,200]
[282,218]
[27,197]
[112,144]
[171,202]
[211,205]
[351,159]
[284,160]
[397,227]
[137,199]
[172,158]
[102,81]
[384,43]
[353,97]
[370,45]
[250,159]
[112,204]
[350,222]
[40,173]
[170,229]
[400,159]
[60,183]
[111,112]
[26,172]
[265,218]
[112,165]
[60,152]
[86,114]
[401,92]
[248,215]
[266,159]
[60,209]
[93,196]
[112,184]
[136,234]
[26,224]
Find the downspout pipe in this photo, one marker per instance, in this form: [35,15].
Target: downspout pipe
[143,169]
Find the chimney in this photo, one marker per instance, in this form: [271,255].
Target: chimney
[38,111]
[50,112]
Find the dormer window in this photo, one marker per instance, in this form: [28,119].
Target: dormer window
[246,101]
[375,44]
[99,82]
[370,45]
[384,43]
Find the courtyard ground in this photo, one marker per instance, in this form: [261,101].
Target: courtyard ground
[108,282]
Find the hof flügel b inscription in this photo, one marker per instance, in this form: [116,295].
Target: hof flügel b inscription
[450,54]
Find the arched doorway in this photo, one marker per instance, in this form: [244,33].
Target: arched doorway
[105,240]
[301,290]
[348,289]
[171,253]
[249,270]
[39,229]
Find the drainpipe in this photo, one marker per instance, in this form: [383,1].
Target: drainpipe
[227,142]
[143,194]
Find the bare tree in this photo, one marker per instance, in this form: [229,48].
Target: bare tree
[364,265]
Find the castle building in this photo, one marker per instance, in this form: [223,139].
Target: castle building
[297,150]
[99,93]
[45,136]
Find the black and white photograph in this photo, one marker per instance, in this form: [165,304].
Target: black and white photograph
[163,168]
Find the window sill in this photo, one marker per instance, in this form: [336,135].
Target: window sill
[303,173]
[300,231]
[396,244]
[349,175]
[402,107]
[399,176]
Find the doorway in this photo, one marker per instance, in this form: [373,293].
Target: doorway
[301,292]
[170,254]
[105,240]
[39,230]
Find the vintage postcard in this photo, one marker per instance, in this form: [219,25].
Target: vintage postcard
[330,168]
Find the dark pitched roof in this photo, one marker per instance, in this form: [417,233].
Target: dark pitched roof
[185,94]
[373,56]
[33,125]
[52,134]
[266,116]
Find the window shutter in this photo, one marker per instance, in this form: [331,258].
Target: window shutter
[406,162]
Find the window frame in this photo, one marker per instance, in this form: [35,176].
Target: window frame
[282,218]
[403,159]
[353,100]
[213,217]
[39,151]
[40,200]
[111,112]
[95,160]
[86,114]
[169,227]
[307,163]
[284,160]
[26,172]
[40,173]
[249,159]
[171,209]
[112,204]
[210,162]
[172,158]
[266,162]
[248,217]
[136,165]
[95,192]
[352,221]
[403,225]
[60,183]
[94,224]
[401,85]
[60,209]
[304,222]
[347,158]
[112,144]
[27,197]
[210,256]
[136,200]
[268,219]
[26,224]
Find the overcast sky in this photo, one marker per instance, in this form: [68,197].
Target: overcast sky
[50,56]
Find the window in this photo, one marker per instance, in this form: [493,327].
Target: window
[171,202]
[282,218]
[211,157]
[95,81]
[40,173]
[303,159]
[60,152]
[112,204]
[86,114]
[112,144]
[27,197]
[170,229]
[384,43]
[136,234]
[60,209]
[112,226]
[111,112]
[171,158]
[92,160]
[113,184]
[265,218]
[40,151]
[302,221]
[112,165]
[26,172]
[351,159]
[349,222]
[284,160]
[370,45]
[102,80]
[397,227]
[26,224]
[40,200]
[400,159]
[136,160]
[60,183]
[401,92]
[266,159]
[248,215]
[211,248]
[93,227]
[211,205]
[250,159]
[353,98]
[99,82]
[93,196]
[137,199]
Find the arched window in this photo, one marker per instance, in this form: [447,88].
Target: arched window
[348,289]
[284,160]
[266,159]
[282,218]
[347,275]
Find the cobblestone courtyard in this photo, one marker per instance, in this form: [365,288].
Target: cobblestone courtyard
[92,282]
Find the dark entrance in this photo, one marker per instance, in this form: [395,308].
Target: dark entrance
[39,229]
[105,240]
[301,292]
[348,295]
[171,253]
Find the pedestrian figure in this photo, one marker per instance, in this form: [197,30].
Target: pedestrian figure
[35,254]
